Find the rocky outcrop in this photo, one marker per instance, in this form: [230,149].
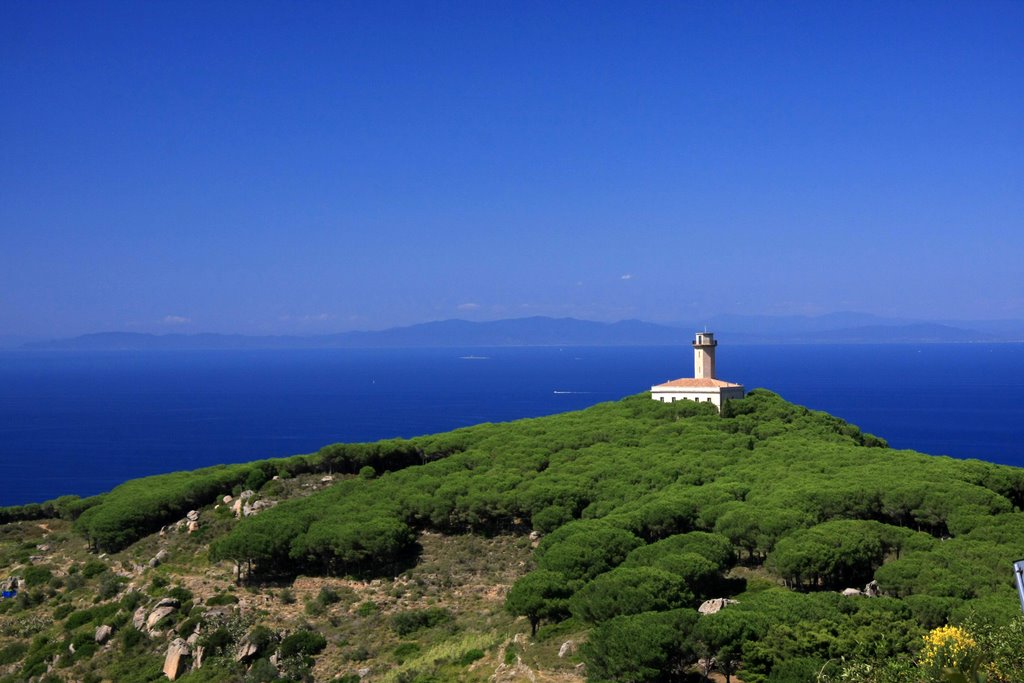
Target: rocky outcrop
[568,648]
[162,609]
[715,605]
[159,558]
[103,633]
[139,619]
[179,654]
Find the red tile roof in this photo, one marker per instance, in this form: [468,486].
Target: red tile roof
[693,382]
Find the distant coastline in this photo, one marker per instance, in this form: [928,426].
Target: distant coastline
[836,328]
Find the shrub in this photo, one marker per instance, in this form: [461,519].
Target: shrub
[304,643]
[62,610]
[180,594]
[471,656]
[222,599]
[12,652]
[217,641]
[36,576]
[411,621]
[93,568]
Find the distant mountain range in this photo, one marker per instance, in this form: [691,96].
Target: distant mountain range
[835,328]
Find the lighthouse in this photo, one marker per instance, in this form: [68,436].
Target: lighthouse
[703,387]
[704,355]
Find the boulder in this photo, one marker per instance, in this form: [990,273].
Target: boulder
[715,605]
[246,650]
[227,499]
[193,526]
[162,609]
[197,656]
[161,556]
[103,633]
[192,516]
[177,659]
[246,495]
[852,592]
[569,647]
[327,479]
[872,590]
[259,505]
[139,619]
[236,507]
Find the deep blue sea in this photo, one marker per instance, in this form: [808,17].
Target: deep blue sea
[82,422]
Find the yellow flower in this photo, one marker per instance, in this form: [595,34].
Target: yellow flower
[949,646]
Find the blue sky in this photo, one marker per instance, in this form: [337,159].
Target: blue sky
[265,167]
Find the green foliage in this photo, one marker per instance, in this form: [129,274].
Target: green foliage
[93,568]
[542,595]
[95,616]
[410,621]
[141,506]
[222,599]
[217,641]
[644,507]
[62,610]
[303,643]
[630,590]
[584,549]
[180,593]
[36,576]
[640,647]
[12,652]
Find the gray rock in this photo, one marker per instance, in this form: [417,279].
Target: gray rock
[161,556]
[193,526]
[227,499]
[715,605]
[246,650]
[168,602]
[872,590]
[177,659]
[103,633]
[197,656]
[569,647]
[852,592]
[139,619]
[246,495]
[159,612]
[192,516]
[364,672]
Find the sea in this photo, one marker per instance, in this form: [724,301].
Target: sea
[82,422]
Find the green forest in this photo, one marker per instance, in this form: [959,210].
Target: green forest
[643,511]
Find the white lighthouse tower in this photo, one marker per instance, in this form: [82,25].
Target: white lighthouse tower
[703,387]
[704,355]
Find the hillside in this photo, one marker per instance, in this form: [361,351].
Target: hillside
[481,553]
